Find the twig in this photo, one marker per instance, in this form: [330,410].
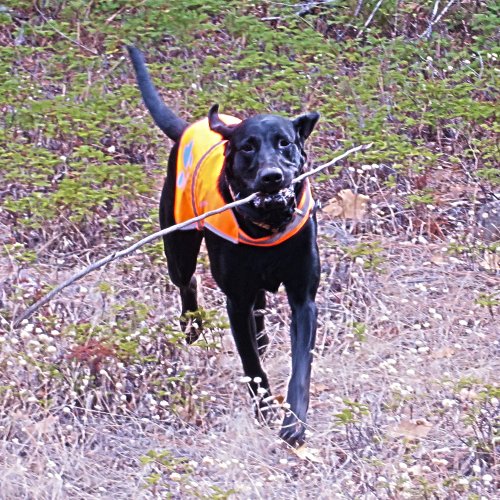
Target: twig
[433,15]
[435,10]
[60,33]
[123,253]
[127,251]
[316,170]
[370,17]
[433,22]
[358,8]
[396,18]
[306,8]
[111,18]
[481,65]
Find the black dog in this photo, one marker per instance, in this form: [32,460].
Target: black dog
[253,248]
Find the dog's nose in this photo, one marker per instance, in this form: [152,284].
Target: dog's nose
[270,178]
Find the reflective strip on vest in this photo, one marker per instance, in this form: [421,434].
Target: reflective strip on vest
[199,164]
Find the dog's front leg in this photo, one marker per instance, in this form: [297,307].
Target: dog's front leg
[303,336]
[242,320]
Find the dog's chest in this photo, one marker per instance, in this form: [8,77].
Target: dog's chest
[241,266]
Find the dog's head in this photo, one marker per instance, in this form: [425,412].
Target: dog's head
[264,154]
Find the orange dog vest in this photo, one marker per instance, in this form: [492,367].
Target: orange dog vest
[199,164]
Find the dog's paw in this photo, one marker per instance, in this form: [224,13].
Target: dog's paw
[266,410]
[191,328]
[192,335]
[293,431]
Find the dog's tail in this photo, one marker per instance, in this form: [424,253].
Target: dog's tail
[170,124]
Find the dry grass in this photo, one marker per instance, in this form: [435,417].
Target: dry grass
[99,396]
[404,402]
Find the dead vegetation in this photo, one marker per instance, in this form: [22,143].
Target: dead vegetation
[100,397]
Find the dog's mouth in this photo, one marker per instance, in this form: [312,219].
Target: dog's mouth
[281,200]
[272,211]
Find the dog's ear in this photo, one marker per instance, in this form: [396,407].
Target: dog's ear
[304,124]
[217,125]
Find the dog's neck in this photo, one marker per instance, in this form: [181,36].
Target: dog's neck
[253,227]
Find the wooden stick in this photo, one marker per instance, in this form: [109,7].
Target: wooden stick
[127,251]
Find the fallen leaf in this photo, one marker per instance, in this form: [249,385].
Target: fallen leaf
[333,208]
[317,388]
[44,426]
[310,454]
[348,205]
[412,429]
[280,399]
[438,259]
[445,352]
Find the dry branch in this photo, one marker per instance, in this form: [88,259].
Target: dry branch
[434,20]
[60,33]
[127,251]
[370,17]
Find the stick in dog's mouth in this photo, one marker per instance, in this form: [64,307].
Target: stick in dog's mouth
[274,201]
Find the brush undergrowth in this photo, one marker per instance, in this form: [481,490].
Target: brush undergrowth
[80,172]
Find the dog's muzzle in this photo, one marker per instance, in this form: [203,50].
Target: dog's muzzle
[270,211]
[273,211]
[282,200]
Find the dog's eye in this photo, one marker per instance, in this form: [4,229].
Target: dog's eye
[248,148]
[283,143]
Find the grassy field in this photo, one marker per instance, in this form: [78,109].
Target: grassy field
[99,395]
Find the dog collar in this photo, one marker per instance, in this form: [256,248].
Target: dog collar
[267,227]
[231,192]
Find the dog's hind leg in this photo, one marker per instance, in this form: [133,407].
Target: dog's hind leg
[181,249]
[259,315]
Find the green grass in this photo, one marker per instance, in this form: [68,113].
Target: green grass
[66,106]
[408,305]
